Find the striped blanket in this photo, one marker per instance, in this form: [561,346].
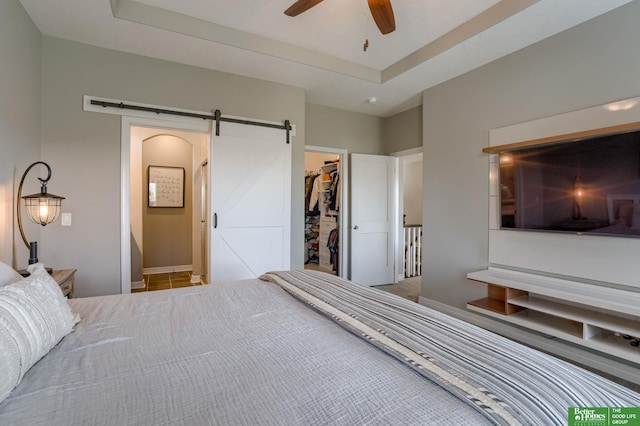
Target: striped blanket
[509,383]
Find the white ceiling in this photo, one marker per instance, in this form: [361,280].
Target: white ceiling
[320,50]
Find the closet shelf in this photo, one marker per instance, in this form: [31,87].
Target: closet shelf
[328,168]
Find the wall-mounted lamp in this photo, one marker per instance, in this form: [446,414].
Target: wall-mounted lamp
[42,208]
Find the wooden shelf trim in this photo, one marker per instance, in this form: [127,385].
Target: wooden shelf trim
[490,304]
[568,137]
[498,300]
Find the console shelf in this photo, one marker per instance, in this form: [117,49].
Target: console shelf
[586,314]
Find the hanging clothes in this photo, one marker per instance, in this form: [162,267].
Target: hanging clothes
[315,190]
[308,185]
[332,244]
[312,218]
[334,192]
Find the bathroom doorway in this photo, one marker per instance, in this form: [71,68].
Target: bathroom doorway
[166,239]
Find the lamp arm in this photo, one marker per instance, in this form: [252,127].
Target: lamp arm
[24,175]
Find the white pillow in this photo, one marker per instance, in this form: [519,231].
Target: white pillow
[8,275]
[34,317]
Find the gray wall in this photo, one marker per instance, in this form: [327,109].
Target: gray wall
[591,64]
[20,48]
[363,133]
[85,146]
[588,65]
[167,232]
[403,131]
[337,128]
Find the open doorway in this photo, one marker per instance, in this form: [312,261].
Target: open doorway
[166,241]
[252,195]
[410,202]
[325,210]
[408,246]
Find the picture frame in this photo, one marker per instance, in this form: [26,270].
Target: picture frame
[166,186]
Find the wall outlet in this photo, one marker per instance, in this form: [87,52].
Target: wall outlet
[66,219]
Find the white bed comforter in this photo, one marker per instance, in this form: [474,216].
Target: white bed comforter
[510,383]
[235,353]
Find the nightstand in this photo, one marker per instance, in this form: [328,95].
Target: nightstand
[65,279]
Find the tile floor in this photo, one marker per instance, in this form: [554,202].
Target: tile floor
[166,281]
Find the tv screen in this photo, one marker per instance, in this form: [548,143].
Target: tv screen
[589,186]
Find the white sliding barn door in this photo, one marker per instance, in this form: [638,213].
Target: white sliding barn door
[250,202]
[372,219]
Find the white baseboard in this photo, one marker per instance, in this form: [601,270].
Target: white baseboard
[167,269]
[581,355]
[136,285]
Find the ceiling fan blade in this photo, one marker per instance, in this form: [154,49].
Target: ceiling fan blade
[382,13]
[300,6]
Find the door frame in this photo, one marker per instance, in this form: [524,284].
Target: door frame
[205,204]
[344,267]
[399,240]
[127,122]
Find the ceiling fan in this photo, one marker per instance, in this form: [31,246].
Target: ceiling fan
[381,11]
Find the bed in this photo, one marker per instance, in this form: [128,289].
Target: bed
[623,212]
[294,347]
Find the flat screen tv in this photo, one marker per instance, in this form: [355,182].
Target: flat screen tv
[589,186]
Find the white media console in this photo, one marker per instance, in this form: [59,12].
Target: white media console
[595,316]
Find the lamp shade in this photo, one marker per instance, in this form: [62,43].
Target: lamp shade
[42,208]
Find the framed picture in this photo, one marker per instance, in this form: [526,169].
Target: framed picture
[166,186]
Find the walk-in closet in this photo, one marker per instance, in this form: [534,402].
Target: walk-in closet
[322,212]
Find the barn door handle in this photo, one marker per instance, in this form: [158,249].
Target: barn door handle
[215,220]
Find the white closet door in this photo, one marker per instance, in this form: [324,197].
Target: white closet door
[250,202]
[373,219]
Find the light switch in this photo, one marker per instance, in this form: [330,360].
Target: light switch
[66,219]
